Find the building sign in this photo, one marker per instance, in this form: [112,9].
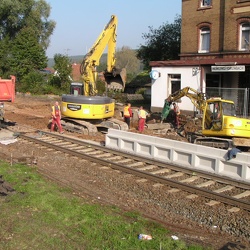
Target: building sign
[228,68]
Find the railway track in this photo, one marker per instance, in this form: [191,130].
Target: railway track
[217,189]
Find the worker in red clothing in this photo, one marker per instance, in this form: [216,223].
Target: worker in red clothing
[177,113]
[56,117]
[142,115]
[127,113]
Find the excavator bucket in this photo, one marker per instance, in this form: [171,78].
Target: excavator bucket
[116,79]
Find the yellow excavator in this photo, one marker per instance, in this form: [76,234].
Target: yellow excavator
[220,126]
[83,110]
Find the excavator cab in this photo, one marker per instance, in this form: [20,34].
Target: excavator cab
[219,117]
[116,79]
[214,114]
[76,88]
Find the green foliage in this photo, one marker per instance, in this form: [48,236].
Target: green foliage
[29,52]
[40,215]
[101,87]
[17,15]
[63,69]
[32,82]
[38,83]
[162,43]
[24,36]
[140,91]
[126,58]
[5,62]
[141,79]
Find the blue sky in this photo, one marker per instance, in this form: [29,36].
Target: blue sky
[79,22]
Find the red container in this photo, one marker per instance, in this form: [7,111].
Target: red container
[7,89]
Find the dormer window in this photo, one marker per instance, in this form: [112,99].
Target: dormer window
[206,3]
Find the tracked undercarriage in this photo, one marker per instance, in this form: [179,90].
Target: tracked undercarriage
[93,126]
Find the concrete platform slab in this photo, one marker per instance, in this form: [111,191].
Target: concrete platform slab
[180,153]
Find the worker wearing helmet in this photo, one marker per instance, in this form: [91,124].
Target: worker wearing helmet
[56,117]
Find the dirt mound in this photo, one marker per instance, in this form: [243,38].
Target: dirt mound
[5,187]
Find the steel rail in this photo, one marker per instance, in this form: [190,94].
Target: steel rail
[159,179]
[201,173]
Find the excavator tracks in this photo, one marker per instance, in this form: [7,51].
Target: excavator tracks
[88,128]
[78,126]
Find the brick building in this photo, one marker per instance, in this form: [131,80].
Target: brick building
[214,56]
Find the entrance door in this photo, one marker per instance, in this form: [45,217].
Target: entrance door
[213,84]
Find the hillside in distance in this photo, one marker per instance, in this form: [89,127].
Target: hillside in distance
[75,59]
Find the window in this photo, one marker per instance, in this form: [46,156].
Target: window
[204,40]
[228,109]
[175,81]
[206,3]
[244,36]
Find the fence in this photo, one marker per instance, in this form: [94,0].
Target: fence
[240,96]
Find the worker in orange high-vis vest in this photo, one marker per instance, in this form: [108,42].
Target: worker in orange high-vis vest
[142,115]
[56,117]
[127,113]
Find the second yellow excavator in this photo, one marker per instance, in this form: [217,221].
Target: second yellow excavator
[220,126]
[83,110]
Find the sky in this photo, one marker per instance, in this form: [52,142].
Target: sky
[80,22]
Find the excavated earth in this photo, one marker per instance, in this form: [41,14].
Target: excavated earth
[191,221]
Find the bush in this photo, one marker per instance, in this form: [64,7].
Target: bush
[38,83]
[31,83]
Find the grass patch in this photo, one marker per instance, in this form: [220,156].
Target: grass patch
[41,215]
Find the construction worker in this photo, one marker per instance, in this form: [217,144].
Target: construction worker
[142,115]
[177,113]
[127,113]
[56,117]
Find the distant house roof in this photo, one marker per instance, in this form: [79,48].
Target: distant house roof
[76,75]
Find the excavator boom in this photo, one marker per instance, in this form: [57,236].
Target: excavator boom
[197,98]
[115,78]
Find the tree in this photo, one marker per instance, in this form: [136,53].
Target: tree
[26,50]
[161,44]
[63,69]
[126,58]
[24,36]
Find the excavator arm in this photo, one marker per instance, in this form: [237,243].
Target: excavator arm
[90,62]
[197,98]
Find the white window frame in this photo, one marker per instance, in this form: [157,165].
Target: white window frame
[204,38]
[244,42]
[206,3]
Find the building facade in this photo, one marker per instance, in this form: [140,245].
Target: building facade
[214,56]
